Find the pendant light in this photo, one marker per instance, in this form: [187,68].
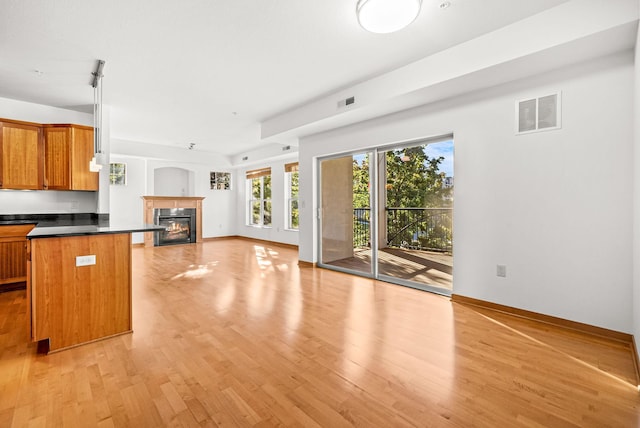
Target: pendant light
[387,16]
[96,83]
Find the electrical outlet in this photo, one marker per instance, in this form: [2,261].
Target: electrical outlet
[501,270]
[86,260]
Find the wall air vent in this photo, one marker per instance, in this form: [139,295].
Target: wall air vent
[346,102]
[286,148]
[538,114]
[244,158]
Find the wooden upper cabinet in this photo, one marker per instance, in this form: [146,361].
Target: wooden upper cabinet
[57,142]
[21,155]
[68,151]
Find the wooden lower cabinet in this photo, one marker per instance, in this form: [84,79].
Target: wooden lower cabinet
[71,304]
[13,256]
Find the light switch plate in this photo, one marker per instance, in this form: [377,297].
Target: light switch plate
[501,270]
[86,260]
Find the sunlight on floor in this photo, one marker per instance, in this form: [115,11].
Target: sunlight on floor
[571,357]
[197,271]
[265,258]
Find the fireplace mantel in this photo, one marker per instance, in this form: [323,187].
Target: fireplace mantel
[153,202]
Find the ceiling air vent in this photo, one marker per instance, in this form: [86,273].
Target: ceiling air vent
[244,158]
[285,148]
[346,102]
[538,114]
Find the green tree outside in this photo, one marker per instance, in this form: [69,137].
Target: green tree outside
[418,201]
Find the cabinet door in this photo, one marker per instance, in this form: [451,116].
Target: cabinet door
[69,149]
[81,153]
[57,159]
[22,156]
[13,255]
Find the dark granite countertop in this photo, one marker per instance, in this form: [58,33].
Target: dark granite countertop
[82,230]
[73,224]
[10,222]
[56,219]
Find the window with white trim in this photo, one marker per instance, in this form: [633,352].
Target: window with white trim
[291,190]
[118,174]
[259,197]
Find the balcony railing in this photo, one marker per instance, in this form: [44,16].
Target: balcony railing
[427,229]
[361,231]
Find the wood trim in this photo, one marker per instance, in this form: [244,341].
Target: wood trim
[280,244]
[247,238]
[305,264]
[256,173]
[19,122]
[548,319]
[219,238]
[68,125]
[291,167]
[172,198]
[636,361]
[152,202]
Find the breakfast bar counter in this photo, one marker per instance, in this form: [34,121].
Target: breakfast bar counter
[79,282]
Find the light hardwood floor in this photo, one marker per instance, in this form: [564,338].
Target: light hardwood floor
[232,333]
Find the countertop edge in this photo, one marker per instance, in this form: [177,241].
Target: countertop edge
[85,230]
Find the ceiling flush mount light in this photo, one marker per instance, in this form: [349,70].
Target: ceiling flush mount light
[387,16]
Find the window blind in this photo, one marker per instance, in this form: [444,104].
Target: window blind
[291,167]
[256,173]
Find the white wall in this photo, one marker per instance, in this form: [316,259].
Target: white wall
[126,202]
[46,202]
[41,201]
[636,194]
[554,207]
[38,113]
[172,182]
[218,207]
[277,231]
[218,213]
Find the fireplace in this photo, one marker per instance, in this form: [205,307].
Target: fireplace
[154,203]
[179,223]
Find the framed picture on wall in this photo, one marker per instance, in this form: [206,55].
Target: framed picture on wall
[220,180]
[118,174]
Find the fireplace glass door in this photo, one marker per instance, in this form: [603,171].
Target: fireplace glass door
[179,224]
[177,230]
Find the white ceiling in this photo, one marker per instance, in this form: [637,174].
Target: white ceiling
[210,71]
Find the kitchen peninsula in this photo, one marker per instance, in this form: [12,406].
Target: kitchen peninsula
[78,280]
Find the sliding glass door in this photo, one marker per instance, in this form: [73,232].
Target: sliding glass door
[417,246]
[388,213]
[345,213]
